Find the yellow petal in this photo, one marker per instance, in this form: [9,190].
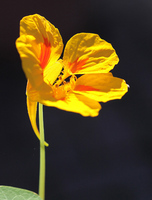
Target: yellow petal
[32,110]
[88,53]
[101,87]
[73,103]
[44,92]
[29,53]
[52,72]
[41,28]
[39,45]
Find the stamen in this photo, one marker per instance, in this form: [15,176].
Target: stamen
[60,78]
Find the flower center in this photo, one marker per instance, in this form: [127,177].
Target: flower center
[60,92]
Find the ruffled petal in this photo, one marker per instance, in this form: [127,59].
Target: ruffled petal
[101,87]
[39,45]
[88,53]
[32,110]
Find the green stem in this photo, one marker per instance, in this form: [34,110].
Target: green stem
[42,155]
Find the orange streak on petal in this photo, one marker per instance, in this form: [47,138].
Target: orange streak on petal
[45,53]
[76,66]
[85,88]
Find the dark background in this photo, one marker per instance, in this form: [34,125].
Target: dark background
[104,158]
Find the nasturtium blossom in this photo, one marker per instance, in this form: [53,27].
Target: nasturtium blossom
[76,83]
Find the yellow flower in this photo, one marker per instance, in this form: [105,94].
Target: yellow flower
[76,83]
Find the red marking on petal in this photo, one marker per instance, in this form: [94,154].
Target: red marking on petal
[45,53]
[76,66]
[85,88]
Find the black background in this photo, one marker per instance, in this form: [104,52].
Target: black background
[108,157]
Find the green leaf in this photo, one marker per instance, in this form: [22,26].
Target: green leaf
[13,193]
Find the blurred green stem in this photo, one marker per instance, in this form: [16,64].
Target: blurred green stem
[42,155]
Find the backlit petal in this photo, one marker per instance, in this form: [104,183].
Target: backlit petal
[32,110]
[39,45]
[88,53]
[52,72]
[101,87]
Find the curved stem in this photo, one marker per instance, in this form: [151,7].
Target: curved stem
[42,155]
